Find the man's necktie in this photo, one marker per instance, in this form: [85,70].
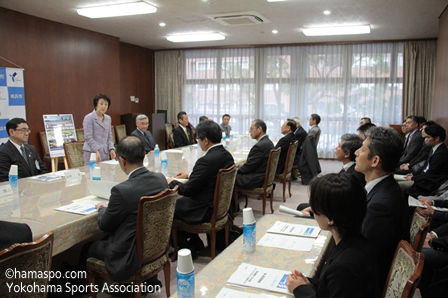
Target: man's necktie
[188,137]
[22,148]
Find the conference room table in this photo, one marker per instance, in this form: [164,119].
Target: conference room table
[35,202]
[213,277]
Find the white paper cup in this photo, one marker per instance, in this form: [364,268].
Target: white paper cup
[96,172]
[184,261]
[93,156]
[14,170]
[248,216]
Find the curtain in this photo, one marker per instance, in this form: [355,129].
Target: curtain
[168,83]
[341,83]
[419,77]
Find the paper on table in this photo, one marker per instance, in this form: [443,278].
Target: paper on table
[84,207]
[228,293]
[294,229]
[46,177]
[413,202]
[248,275]
[110,162]
[100,188]
[286,242]
[399,177]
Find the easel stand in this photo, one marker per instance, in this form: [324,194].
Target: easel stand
[55,161]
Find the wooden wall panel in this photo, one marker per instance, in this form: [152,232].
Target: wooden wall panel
[66,66]
[440,106]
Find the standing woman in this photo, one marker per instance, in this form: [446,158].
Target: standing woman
[97,133]
[339,204]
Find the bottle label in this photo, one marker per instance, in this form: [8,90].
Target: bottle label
[250,237]
[185,285]
[96,178]
[92,166]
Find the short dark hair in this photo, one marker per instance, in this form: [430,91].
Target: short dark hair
[260,123]
[131,149]
[180,115]
[97,98]
[428,123]
[209,129]
[366,118]
[292,124]
[387,144]
[225,115]
[421,119]
[363,128]
[316,117]
[202,118]
[341,198]
[414,118]
[435,130]
[13,123]
[351,143]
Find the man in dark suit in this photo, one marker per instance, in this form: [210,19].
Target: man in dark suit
[119,216]
[345,152]
[182,135]
[16,152]
[387,218]
[12,233]
[288,129]
[414,140]
[251,174]
[143,133]
[196,205]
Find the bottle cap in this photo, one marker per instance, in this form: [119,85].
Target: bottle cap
[13,170]
[184,261]
[93,156]
[248,216]
[96,172]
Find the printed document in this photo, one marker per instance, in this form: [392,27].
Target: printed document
[286,242]
[83,207]
[294,229]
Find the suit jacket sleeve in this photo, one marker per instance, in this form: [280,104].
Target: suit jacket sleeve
[178,142]
[5,164]
[88,125]
[379,219]
[437,164]
[253,160]
[413,148]
[198,178]
[110,218]
[282,143]
[42,169]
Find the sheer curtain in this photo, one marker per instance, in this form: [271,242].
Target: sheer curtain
[341,83]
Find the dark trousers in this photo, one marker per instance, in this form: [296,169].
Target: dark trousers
[434,280]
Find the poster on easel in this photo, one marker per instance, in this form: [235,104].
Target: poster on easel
[60,129]
[12,98]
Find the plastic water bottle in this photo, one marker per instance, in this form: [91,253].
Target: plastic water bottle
[249,230]
[14,178]
[185,274]
[157,156]
[92,162]
[164,163]
[223,140]
[96,173]
[231,136]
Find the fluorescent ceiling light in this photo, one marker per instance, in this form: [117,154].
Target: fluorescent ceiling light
[277,0]
[195,37]
[337,30]
[125,9]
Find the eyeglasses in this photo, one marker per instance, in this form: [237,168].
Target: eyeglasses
[24,130]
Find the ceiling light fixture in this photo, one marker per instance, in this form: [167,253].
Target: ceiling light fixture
[327,12]
[195,37]
[115,10]
[274,31]
[162,24]
[337,30]
[277,0]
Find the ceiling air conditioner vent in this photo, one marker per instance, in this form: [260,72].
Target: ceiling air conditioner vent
[240,18]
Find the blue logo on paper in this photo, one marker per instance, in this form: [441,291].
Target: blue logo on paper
[309,231]
[282,283]
[2,76]
[16,96]
[3,133]
[13,76]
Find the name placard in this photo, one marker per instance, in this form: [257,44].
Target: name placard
[5,190]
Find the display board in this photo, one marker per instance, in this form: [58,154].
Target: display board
[60,129]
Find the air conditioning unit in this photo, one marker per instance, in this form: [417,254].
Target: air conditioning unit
[240,18]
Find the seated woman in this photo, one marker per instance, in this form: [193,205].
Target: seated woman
[339,205]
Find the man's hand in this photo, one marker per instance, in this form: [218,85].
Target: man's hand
[426,202]
[408,177]
[428,210]
[98,206]
[404,166]
[181,175]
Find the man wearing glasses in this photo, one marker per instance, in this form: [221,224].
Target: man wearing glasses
[16,152]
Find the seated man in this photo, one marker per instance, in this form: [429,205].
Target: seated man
[363,128]
[202,118]
[118,217]
[301,135]
[225,127]
[183,135]
[12,233]
[288,129]
[345,152]
[364,120]
[314,127]
[387,218]
[251,174]
[439,218]
[16,152]
[414,140]
[196,205]
[143,133]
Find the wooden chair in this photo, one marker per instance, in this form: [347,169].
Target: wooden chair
[267,188]
[154,222]
[74,154]
[405,272]
[112,130]
[420,225]
[24,257]
[169,135]
[120,131]
[220,217]
[286,175]
[80,135]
